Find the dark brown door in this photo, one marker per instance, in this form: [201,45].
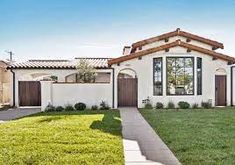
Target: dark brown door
[220,90]
[127,92]
[29,93]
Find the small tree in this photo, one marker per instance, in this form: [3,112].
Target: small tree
[86,73]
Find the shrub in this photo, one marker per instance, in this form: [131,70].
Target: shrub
[80,106]
[206,105]
[171,105]
[59,108]
[69,108]
[5,107]
[50,108]
[159,105]
[148,106]
[183,105]
[104,106]
[195,106]
[94,107]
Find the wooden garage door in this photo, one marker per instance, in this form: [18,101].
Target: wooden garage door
[29,93]
[127,92]
[220,90]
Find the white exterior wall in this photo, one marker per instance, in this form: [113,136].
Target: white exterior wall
[46,94]
[144,70]
[172,39]
[91,94]
[61,94]
[233,85]
[24,75]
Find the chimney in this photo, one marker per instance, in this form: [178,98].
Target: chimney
[126,50]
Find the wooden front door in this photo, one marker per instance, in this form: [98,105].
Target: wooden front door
[29,93]
[127,92]
[220,90]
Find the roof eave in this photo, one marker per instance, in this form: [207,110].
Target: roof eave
[173,44]
[178,32]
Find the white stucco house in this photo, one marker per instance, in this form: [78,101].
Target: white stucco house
[175,66]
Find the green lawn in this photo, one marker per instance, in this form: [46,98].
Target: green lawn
[89,137]
[196,136]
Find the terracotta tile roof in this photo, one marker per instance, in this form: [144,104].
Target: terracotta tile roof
[178,32]
[170,45]
[99,63]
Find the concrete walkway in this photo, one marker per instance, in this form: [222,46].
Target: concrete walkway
[17,113]
[141,144]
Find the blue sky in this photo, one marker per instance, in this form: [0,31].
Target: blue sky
[64,29]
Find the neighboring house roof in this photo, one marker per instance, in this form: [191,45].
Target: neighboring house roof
[170,45]
[178,32]
[4,64]
[98,63]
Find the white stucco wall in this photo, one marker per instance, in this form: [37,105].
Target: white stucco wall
[91,94]
[25,75]
[61,94]
[233,85]
[46,94]
[144,70]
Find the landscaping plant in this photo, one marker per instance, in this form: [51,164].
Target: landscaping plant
[171,105]
[104,106]
[80,106]
[69,108]
[159,105]
[86,73]
[59,108]
[183,105]
[195,106]
[148,106]
[206,105]
[94,107]
[49,108]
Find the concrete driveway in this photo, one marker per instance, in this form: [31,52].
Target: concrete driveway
[17,113]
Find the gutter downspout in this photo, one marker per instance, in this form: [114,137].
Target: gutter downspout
[13,90]
[231,85]
[113,89]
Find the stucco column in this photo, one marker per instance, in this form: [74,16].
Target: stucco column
[46,94]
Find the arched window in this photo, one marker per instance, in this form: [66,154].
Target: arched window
[101,77]
[71,78]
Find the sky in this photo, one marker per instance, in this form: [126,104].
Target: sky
[65,29]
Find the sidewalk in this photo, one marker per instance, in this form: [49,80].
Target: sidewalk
[141,144]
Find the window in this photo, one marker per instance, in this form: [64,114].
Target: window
[71,78]
[157,76]
[199,76]
[101,77]
[180,75]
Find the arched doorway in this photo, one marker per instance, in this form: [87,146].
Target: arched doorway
[220,87]
[127,88]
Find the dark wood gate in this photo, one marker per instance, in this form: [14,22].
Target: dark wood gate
[220,90]
[29,93]
[127,92]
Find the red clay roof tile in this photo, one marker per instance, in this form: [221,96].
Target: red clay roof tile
[170,45]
